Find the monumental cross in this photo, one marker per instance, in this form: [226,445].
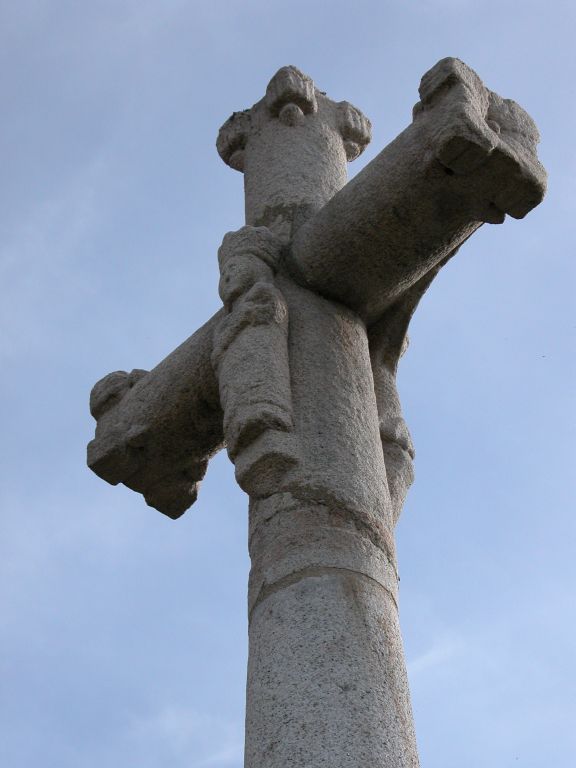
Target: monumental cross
[296,377]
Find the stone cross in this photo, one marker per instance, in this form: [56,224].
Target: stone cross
[295,375]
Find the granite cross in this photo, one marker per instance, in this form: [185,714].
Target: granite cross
[296,374]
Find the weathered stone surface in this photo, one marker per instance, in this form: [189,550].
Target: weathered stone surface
[335,410]
[295,143]
[250,357]
[326,679]
[387,230]
[157,434]
[297,376]
[469,157]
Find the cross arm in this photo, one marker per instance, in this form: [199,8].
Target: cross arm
[156,430]
[468,157]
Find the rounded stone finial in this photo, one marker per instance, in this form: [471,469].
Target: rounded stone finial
[232,138]
[293,146]
[290,99]
[355,129]
[290,95]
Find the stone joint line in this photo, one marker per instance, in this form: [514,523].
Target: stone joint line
[352,515]
[312,572]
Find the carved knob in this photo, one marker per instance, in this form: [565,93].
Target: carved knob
[355,129]
[232,139]
[107,392]
[290,95]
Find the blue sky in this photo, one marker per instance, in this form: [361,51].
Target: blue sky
[122,633]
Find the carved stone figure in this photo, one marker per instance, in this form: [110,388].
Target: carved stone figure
[250,358]
[297,376]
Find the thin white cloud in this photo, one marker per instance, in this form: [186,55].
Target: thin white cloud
[189,737]
[441,654]
[229,755]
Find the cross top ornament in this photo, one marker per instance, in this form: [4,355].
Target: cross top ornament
[292,147]
[296,377]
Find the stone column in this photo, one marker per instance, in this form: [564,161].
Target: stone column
[327,683]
